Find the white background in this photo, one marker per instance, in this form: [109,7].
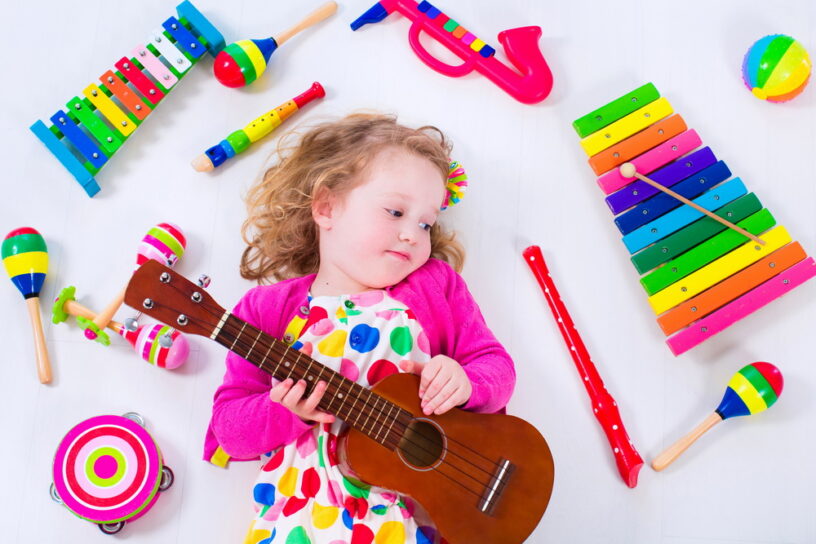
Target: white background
[749,480]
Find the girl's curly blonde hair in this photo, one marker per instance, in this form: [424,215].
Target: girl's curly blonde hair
[281,235]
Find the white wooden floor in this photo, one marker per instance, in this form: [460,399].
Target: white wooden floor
[750,480]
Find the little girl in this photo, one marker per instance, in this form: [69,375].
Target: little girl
[347,223]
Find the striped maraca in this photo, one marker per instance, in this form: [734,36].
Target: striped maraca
[25,257]
[158,344]
[164,243]
[750,391]
[243,62]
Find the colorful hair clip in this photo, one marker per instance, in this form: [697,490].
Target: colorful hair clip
[457,185]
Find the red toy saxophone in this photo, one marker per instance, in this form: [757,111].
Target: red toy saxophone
[530,83]
[604,406]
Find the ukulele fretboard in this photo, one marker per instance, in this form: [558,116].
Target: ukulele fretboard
[369,413]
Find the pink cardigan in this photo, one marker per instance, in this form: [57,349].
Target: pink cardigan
[246,423]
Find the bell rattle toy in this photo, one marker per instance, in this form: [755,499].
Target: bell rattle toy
[109,471]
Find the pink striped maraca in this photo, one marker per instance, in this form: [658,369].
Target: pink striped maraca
[753,389]
[158,344]
[25,257]
[164,243]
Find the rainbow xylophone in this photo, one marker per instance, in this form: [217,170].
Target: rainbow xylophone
[700,276]
[85,135]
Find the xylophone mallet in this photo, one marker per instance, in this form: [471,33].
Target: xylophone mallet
[628,170]
[25,257]
[753,389]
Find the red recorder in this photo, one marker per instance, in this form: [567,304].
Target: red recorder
[604,406]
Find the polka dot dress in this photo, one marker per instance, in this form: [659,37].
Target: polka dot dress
[301,497]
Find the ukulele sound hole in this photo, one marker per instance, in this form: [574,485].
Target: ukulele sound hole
[422,444]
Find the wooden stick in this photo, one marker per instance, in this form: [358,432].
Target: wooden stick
[672,452]
[324,11]
[75,309]
[104,317]
[628,170]
[43,362]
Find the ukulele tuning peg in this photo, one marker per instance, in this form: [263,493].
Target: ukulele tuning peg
[166,341]
[132,324]
[204,281]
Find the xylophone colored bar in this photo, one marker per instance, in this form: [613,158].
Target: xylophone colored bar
[700,277]
[652,160]
[752,276]
[91,128]
[626,126]
[621,107]
[667,176]
[637,144]
[682,216]
[772,289]
[708,251]
[661,203]
[702,229]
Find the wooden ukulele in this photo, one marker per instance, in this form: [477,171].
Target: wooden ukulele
[483,478]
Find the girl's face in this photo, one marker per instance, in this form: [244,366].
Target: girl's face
[380,231]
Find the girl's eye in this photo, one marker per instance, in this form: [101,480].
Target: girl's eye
[395,213]
[425,226]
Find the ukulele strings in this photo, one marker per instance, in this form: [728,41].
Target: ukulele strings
[274,348]
[280,354]
[218,312]
[404,427]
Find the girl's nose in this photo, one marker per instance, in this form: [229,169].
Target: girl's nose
[406,237]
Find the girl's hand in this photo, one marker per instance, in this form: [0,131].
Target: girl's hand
[444,383]
[290,395]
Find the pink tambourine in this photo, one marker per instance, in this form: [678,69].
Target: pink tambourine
[109,470]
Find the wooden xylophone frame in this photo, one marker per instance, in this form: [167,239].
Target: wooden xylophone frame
[85,135]
[701,277]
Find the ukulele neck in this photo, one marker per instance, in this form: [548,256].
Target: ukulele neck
[364,410]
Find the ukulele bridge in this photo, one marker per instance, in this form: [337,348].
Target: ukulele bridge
[498,481]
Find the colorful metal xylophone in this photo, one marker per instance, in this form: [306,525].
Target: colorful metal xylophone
[700,276]
[91,129]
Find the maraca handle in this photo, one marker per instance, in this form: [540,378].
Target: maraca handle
[43,362]
[673,452]
[324,11]
[104,317]
[75,309]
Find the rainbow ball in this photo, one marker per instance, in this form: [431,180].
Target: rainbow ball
[776,68]
[243,62]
